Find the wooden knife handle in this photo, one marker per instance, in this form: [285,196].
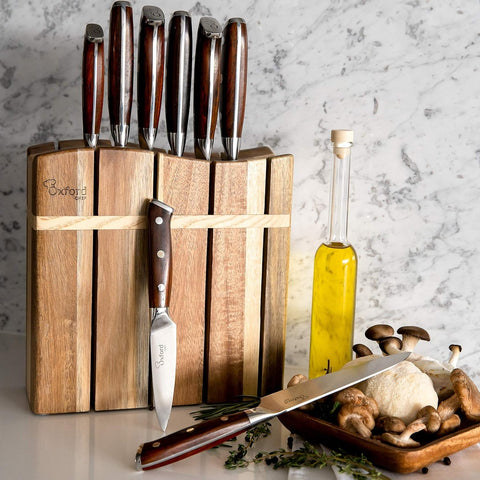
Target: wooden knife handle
[120,70]
[159,253]
[92,82]
[234,77]
[178,78]
[151,58]
[190,441]
[207,81]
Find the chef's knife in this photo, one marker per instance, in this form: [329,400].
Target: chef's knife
[151,54]
[120,71]
[178,80]
[234,85]
[206,85]
[213,432]
[92,83]
[163,336]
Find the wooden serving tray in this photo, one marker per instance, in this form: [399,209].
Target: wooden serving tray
[395,459]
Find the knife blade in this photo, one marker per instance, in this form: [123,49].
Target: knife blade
[151,55]
[210,433]
[92,83]
[120,71]
[206,85]
[234,85]
[178,80]
[163,334]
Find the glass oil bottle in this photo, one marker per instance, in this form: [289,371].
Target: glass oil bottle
[335,273]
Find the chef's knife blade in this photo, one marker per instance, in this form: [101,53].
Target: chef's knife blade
[120,71]
[206,85]
[234,85]
[151,54]
[178,80]
[163,338]
[92,83]
[213,432]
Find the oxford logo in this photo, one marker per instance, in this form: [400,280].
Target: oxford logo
[79,193]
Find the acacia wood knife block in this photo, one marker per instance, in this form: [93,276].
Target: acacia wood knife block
[87,309]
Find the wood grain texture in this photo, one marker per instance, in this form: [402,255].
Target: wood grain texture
[233,333]
[59,282]
[122,320]
[184,184]
[275,273]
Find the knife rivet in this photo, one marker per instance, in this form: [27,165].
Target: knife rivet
[155,444]
[160,254]
[161,287]
[189,430]
[158,220]
[224,418]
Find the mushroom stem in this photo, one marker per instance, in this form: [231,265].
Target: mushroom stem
[429,416]
[411,335]
[455,349]
[403,439]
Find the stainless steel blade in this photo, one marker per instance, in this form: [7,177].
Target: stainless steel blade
[163,353]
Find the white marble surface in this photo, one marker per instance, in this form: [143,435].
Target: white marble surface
[402,75]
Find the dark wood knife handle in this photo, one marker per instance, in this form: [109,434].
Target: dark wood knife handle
[120,63]
[151,59]
[207,78]
[179,72]
[159,253]
[92,79]
[234,78]
[190,441]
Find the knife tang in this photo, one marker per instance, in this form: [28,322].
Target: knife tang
[151,57]
[160,254]
[234,85]
[92,83]
[120,71]
[178,80]
[206,85]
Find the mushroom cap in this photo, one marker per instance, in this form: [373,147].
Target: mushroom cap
[350,395]
[388,344]
[376,332]
[455,347]
[467,393]
[450,424]
[361,350]
[390,424]
[430,418]
[414,331]
[296,379]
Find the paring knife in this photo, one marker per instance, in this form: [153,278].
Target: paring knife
[206,85]
[163,335]
[92,83]
[178,80]
[120,71]
[213,432]
[234,85]
[151,58]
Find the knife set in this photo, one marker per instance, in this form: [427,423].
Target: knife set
[88,316]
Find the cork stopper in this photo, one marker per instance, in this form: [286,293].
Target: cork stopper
[342,141]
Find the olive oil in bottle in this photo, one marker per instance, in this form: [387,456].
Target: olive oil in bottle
[335,273]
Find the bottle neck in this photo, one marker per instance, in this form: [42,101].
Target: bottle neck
[339,192]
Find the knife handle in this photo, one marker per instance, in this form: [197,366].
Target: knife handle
[178,80]
[151,58]
[206,85]
[234,84]
[120,71]
[92,83]
[160,253]
[191,440]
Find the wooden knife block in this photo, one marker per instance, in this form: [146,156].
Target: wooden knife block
[87,309]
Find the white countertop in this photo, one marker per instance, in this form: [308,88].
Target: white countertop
[102,445]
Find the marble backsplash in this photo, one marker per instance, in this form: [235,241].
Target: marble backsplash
[402,75]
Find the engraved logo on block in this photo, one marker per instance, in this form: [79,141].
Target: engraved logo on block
[79,193]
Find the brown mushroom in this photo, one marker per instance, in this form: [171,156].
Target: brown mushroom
[466,397]
[390,424]
[450,424]
[377,332]
[403,439]
[455,349]
[296,379]
[390,345]
[356,419]
[429,416]
[361,350]
[411,336]
[354,396]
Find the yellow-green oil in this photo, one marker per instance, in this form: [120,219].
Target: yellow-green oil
[333,308]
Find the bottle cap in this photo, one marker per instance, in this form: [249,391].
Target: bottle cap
[342,136]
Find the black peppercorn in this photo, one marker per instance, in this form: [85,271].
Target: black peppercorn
[425,470]
[447,461]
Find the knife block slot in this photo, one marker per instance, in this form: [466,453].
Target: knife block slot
[230,234]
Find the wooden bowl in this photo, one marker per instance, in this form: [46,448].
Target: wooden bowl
[395,459]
